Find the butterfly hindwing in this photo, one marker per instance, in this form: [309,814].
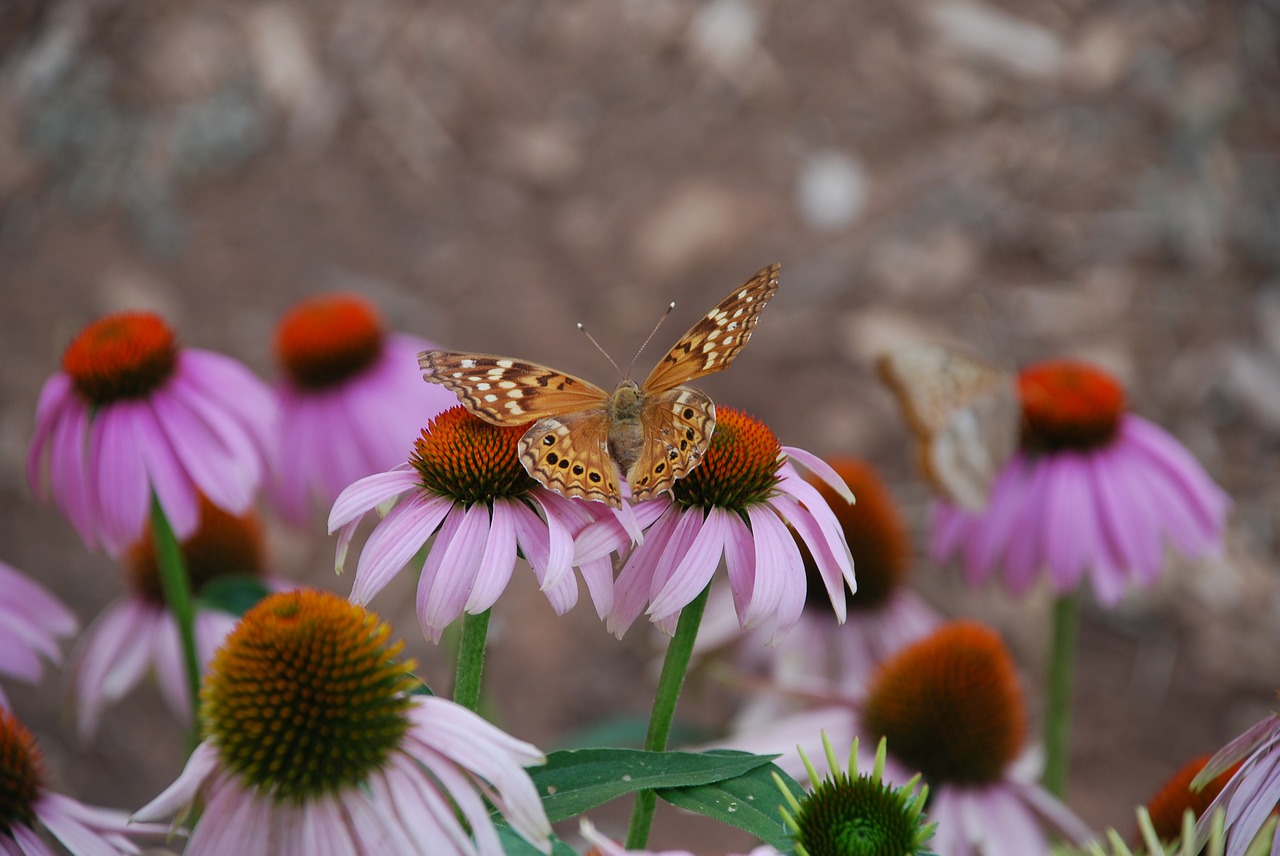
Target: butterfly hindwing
[965,415]
[678,424]
[712,343]
[569,454]
[507,391]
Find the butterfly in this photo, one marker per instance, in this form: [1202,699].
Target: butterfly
[583,438]
[965,413]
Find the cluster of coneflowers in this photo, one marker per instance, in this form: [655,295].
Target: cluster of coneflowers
[311,733]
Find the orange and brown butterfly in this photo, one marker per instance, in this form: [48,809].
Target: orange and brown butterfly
[964,412]
[583,439]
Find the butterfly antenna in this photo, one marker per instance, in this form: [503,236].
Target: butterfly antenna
[583,328]
[670,306]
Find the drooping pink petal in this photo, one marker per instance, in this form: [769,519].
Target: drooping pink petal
[56,396]
[1025,554]
[213,450]
[559,557]
[830,554]
[112,657]
[395,540]
[174,799]
[169,480]
[120,478]
[1069,537]
[499,559]
[740,566]
[69,476]
[450,569]
[821,469]
[635,580]
[694,565]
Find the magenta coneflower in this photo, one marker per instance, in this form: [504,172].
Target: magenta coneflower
[1093,491]
[465,485]
[137,635]
[30,812]
[951,708]
[314,744]
[130,415]
[31,620]
[737,504]
[1252,793]
[351,400]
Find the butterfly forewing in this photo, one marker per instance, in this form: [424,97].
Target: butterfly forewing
[507,391]
[965,415]
[569,454]
[712,343]
[678,424]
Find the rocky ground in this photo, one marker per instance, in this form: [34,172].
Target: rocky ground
[1054,177]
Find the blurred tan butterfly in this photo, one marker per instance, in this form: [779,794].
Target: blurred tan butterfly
[965,414]
[583,437]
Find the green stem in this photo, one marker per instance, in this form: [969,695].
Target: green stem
[674,668]
[466,684]
[177,594]
[1062,664]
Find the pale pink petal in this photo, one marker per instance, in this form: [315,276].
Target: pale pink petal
[396,540]
[112,657]
[607,534]
[498,561]
[370,492]
[740,565]
[831,555]
[779,557]
[433,614]
[696,565]
[559,556]
[1025,555]
[463,554]
[227,475]
[202,764]
[635,581]
[821,469]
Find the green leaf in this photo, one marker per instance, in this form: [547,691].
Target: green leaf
[749,802]
[575,780]
[234,593]
[514,845]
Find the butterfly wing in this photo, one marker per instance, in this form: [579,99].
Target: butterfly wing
[677,424]
[712,343]
[569,454]
[965,415]
[507,391]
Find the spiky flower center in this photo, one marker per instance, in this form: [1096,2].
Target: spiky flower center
[877,537]
[21,773]
[223,545]
[1176,796]
[1068,405]
[740,467]
[950,706]
[327,340]
[462,456]
[306,697]
[125,355]
[857,816]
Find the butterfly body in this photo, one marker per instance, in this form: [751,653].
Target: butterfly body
[584,439]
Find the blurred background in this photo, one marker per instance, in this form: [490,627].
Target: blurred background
[1032,179]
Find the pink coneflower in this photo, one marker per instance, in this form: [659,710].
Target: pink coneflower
[1092,491]
[314,744]
[1252,793]
[950,707]
[737,504]
[30,812]
[130,415]
[31,620]
[1167,806]
[137,635]
[351,400]
[465,485]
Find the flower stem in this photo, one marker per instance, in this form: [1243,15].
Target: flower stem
[674,667]
[1062,664]
[177,594]
[466,683]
